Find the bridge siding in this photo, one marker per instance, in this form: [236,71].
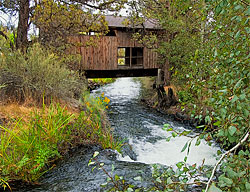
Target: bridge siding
[103,54]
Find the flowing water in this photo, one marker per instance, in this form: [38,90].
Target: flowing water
[142,129]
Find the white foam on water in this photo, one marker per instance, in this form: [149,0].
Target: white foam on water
[169,153]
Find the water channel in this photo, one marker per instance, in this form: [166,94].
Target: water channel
[142,129]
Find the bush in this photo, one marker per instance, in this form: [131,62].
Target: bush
[35,74]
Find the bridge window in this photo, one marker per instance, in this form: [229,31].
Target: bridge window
[130,56]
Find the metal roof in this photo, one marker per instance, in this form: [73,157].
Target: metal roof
[117,21]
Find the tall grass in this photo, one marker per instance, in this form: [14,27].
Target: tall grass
[28,148]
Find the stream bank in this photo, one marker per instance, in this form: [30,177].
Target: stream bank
[150,99]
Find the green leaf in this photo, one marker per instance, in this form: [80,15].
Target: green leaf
[246,112]
[169,180]
[215,53]
[232,130]
[221,133]
[213,188]
[218,9]
[185,169]
[158,180]
[95,154]
[247,186]
[185,133]
[174,134]
[247,12]
[247,29]
[168,138]
[242,96]
[219,152]
[130,189]
[217,123]
[166,125]
[231,173]
[104,184]
[238,7]
[237,85]
[179,165]
[201,126]
[237,35]
[185,159]
[185,146]
[117,178]
[235,98]
[198,142]
[226,180]
[91,163]
[223,112]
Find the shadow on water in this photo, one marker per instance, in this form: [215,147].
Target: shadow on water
[142,129]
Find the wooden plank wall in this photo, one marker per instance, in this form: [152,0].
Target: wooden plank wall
[102,55]
[149,59]
[149,56]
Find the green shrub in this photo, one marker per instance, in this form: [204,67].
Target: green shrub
[35,74]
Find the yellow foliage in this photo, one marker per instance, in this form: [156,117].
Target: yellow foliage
[58,19]
[106,100]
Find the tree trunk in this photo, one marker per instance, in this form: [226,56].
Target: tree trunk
[23,26]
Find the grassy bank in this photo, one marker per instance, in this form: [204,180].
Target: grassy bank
[102,81]
[36,130]
[94,83]
[34,137]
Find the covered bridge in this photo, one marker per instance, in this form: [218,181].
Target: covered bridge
[116,54]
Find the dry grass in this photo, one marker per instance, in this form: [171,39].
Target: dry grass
[15,110]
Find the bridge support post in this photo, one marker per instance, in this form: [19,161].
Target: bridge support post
[160,77]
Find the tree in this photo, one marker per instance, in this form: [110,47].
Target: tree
[179,34]
[56,21]
[179,22]
[28,9]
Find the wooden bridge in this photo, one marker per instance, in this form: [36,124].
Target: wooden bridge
[116,54]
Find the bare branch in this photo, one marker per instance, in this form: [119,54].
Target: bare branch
[222,157]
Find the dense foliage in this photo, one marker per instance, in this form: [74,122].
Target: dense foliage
[57,18]
[36,74]
[218,80]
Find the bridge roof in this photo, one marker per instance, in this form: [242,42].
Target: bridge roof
[117,21]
